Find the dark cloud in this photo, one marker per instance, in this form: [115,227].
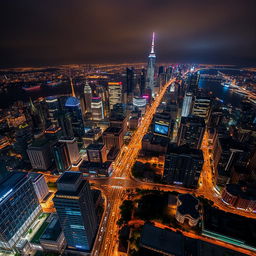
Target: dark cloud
[52,32]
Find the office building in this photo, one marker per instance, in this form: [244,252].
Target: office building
[72,106]
[23,137]
[183,166]
[65,122]
[229,228]
[130,80]
[158,242]
[150,77]
[162,124]
[19,207]
[40,185]
[74,205]
[61,157]
[187,209]
[53,109]
[87,96]
[40,155]
[193,80]
[201,107]
[113,137]
[142,81]
[97,109]
[191,131]
[187,104]
[53,239]
[73,151]
[140,103]
[96,152]
[115,93]
[118,119]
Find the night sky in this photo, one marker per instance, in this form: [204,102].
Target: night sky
[50,32]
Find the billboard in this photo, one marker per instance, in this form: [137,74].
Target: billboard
[162,129]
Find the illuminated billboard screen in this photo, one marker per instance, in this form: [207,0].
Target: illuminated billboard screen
[161,129]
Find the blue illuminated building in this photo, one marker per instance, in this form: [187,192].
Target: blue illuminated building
[72,106]
[19,207]
[75,208]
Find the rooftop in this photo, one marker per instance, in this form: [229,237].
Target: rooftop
[35,176]
[69,177]
[53,230]
[113,130]
[162,240]
[95,146]
[10,183]
[188,205]
[230,225]
[72,102]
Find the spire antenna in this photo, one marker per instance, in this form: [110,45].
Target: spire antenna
[153,43]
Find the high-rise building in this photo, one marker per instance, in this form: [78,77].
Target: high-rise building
[142,81]
[72,106]
[96,152]
[191,131]
[87,96]
[53,109]
[113,137]
[150,78]
[201,107]
[162,124]
[39,154]
[40,185]
[65,121]
[115,93]
[187,104]
[37,117]
[97,109]
[61,157]
[23,137]
[19,207]
[75,208]
[183,166]
[72,147]
[130,80]
[193,80]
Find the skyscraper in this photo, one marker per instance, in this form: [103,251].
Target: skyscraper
[130,80]
[75,208]
[150,78]
[87,96]
[61,157]
[201,107]
[23,137]
[73,151]
[187,104]
[193,80]
[72,106]
[39,154]
[142,81]
[115,93]
[19,207]
[183,166]
[97,109]
[53,109]
[191,131]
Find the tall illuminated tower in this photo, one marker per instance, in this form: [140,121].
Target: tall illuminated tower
[150,78]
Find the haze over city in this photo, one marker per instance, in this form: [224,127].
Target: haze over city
[72,32]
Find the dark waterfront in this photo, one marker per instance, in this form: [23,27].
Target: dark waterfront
[220,91]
